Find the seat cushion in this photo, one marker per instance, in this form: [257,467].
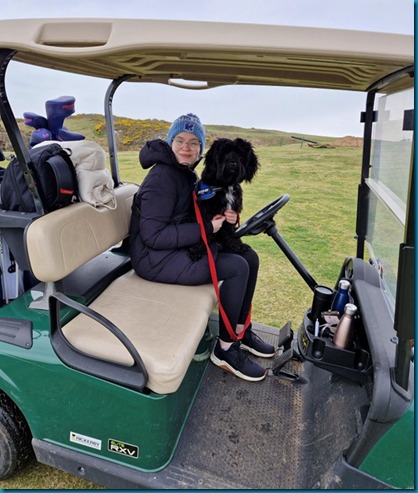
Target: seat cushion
[165,322]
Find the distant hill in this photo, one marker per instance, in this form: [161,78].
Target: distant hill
[132,134]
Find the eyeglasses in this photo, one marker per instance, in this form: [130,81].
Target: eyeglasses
[193,144]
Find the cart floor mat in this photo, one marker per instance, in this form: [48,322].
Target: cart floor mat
[274,434]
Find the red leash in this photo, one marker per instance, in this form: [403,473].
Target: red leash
[214,276]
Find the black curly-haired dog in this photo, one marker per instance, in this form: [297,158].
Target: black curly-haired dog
[227,164]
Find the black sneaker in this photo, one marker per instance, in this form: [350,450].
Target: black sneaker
[237,362]
[252,343]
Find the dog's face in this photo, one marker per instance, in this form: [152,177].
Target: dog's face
[229,162]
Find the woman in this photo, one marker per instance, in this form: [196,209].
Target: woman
[164,225]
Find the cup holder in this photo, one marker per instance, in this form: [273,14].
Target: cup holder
[353,363]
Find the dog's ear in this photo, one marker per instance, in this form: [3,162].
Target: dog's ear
[251,161]
[211,161]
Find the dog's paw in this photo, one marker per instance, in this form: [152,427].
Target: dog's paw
[196,253]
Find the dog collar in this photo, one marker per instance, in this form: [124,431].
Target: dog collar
[204,191]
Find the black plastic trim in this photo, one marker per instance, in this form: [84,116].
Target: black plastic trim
[134,377]
[343,476]
[16,331]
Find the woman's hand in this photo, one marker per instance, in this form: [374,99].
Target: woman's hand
[217,222]
[231,216]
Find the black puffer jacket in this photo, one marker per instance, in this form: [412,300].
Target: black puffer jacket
[163,223]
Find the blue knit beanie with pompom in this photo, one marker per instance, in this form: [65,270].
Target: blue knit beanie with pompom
[191,124]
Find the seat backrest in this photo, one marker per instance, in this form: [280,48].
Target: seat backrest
[61,241]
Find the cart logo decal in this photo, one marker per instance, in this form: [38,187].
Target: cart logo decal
[85,440]
[123,448]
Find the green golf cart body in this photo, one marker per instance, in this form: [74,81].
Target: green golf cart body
[95,377]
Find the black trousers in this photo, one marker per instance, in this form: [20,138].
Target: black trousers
[239,275]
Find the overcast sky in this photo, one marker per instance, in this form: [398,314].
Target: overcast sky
[331,113]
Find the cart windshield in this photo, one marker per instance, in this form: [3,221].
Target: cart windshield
[389,182]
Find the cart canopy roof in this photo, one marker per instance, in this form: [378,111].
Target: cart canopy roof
[201,55]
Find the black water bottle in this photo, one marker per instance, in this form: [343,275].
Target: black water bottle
[341,297]
[321,302]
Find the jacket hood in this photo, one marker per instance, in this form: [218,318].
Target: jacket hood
[156,151]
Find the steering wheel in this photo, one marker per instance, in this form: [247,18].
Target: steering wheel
[260,221]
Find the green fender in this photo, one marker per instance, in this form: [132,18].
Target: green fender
[392,459]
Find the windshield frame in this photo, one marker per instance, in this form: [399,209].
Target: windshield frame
[404,304]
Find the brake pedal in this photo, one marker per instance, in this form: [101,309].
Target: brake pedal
[285,357]
[286,336]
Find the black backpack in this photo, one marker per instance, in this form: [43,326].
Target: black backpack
[54,175]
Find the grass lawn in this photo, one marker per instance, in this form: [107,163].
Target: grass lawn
[318,223]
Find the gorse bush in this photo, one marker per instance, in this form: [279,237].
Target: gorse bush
[134,133]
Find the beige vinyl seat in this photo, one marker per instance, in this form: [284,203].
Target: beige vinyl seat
[163,322]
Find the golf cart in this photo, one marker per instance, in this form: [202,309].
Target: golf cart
[107,376]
